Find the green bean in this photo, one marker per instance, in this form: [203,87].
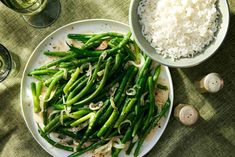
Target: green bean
[112,43]
[96,118]
[99,36]
[104,91]
[131,146]
[35,98]
[127,135]
[58,106]
[101,85]
[39,88]
[114,133]
[143,69]
[57,95]
[53,143]
[141,86]
[48,81]
[43,72]
[61,99]
[137,125]
[47,95]
[78,62]
[90,127]
[51,86]
[151,101]
[91,121]
[68,123]
[117,64]
[93,135]
[157,73]
[123,96]
[109,122]
[54,123]
[57,54]
[109,111]
[101,97]
[110,131]
[125,40]
[76,90]
[126,138]
[126,109]
[38,93]
[114,82]
[115,42]
[87,87]
[66,132]
[91,147]
[58,61]
[52,116]
[130,53]
[154,122]
[84,52]
[73,78]
[120,45]
[119,93]
[79,114]
[92,45]
[80,37]
[77,108]
[77,82]
[82,119]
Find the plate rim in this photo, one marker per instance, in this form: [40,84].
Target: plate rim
[171,93]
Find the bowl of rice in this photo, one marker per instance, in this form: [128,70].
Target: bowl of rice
[179,33]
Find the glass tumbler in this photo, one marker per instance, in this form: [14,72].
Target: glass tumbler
[9,64]
[38,13]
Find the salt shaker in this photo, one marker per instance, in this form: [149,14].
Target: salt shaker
[210,83]
[186,114]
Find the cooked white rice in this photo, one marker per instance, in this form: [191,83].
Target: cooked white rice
[178,28]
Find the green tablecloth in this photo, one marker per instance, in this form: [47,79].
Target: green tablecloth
[213,135]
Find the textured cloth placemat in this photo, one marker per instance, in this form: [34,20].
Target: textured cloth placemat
[212,136]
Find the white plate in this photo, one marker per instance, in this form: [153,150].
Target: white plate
[56,40]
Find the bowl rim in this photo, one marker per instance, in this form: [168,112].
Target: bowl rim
[130,19]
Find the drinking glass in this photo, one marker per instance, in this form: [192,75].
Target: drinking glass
[9,64]
[38,13]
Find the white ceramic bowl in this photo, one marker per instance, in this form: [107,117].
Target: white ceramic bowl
[183,62]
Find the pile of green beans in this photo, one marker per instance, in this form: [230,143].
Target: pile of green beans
[93,96]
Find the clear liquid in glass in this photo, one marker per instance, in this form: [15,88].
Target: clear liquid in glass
[37,13]
[5,63]
[26,7]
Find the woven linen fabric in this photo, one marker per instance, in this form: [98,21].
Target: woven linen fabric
[212,136]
